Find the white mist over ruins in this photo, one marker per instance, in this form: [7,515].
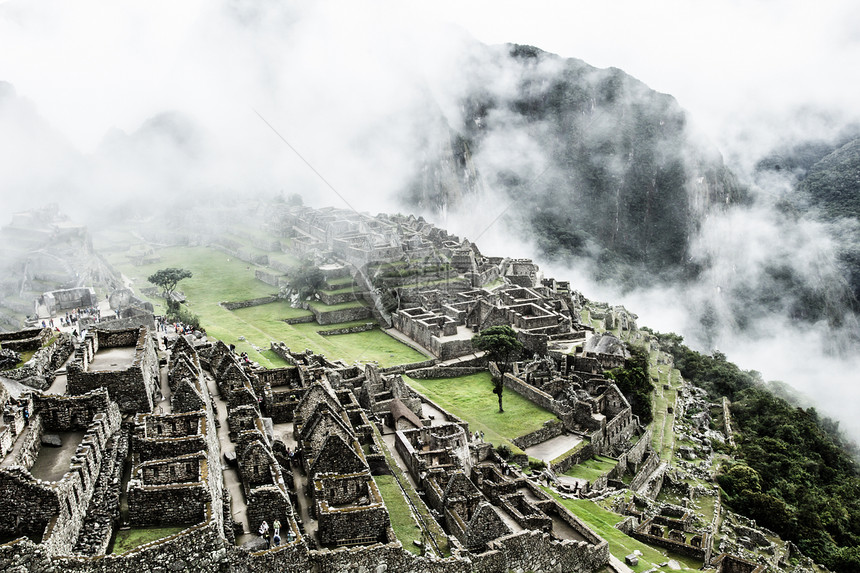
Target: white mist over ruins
[146,101]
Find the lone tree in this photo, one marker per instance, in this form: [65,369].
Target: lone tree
[307,279]
[502,346]
[168,278]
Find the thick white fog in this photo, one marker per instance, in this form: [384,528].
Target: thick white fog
[105,102]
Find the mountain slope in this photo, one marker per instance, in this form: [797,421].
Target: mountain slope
[597,162]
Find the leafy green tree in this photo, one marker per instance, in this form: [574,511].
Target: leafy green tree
[307,279]
[502,346]
[168,278]
[634,381]
[740,478]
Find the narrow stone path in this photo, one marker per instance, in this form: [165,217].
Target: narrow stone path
[232,481]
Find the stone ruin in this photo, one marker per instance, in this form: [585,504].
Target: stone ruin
[575,389]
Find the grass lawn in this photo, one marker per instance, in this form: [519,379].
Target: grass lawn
[402,521]
[434,530]
[218,277]
[591,469]
[128,539]
[603,523]
[265,322]
[471,398]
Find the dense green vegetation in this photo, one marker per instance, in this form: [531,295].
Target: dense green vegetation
[306,279]
[796,475]
[634,381]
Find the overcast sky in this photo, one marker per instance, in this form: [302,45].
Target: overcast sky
[728,62]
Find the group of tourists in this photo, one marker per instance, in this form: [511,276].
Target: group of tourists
[275,539]
[71,318]
[163,325]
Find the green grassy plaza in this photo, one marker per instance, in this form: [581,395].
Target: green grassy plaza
[218,277]
[471,398]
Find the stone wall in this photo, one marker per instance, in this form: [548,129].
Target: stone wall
[268,278]
[447,349]
[276,377]
[169,504]
[444,372]
[401,368]
[25,340]
[53,512]
[6,440]
[701,553]
[38,372]
[104,507]
[349,330]
[338,298]
[634,456]
[251,302]
[70,413]
[549,430]
[577,455]
[324,317]
[31,443]
[540,398]
[134,388]
[645,471]
[353,523]
[538,551]
[118,338]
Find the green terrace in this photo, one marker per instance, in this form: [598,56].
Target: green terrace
[591,469]
[603,523]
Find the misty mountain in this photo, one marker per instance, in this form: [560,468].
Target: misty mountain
[37,161]
[595,162]
[167,151]
[833,183]
[826,186]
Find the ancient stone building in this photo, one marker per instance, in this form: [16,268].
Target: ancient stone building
[123,361]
